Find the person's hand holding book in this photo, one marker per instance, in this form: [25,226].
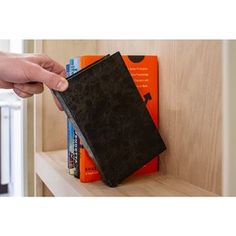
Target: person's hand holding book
[27,73]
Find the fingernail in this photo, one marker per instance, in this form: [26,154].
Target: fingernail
[62,85]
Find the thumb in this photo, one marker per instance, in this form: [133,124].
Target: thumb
[53,81]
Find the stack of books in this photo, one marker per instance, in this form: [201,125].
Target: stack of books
[144,72]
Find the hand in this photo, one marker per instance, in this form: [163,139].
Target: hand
[27,73]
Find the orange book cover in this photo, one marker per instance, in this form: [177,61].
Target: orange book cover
[144,71]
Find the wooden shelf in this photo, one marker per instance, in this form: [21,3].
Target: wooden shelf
[52,173]
[190,121]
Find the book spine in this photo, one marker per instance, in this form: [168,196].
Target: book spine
[76,140]
[70,128]
[68,123]
[73,138]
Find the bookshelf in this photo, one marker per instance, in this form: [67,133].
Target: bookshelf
[53,179]
[190,77]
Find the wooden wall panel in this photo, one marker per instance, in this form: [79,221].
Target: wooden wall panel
[54,122]
[190,105]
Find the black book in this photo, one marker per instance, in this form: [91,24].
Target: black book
[111,118]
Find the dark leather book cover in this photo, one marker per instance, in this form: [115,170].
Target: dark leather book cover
[111,118]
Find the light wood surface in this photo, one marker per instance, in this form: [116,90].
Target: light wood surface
[190,105]
[41,189]
[29,132]
[51,170]
[38,108]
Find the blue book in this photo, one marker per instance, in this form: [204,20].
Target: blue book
[67,70]
[70,135]
[73,142]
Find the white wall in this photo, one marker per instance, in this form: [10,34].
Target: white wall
[8,96]
[4,45]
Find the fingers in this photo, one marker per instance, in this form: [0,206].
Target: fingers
[54,81]
[6,85]
[21,93]
[47,63]
[30,88]
[36,68]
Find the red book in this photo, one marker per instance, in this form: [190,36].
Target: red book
[144,71]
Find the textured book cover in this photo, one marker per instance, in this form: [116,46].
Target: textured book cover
[111,118]
[88,170]
[144,71]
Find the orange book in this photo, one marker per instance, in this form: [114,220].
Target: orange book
[144,71]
